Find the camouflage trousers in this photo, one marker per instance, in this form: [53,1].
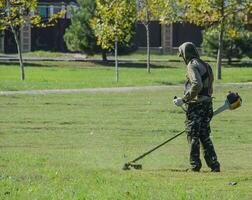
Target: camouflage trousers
[198,130]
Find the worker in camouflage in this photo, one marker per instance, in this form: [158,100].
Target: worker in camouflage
[199,111]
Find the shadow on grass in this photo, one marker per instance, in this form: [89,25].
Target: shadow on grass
[168,83]
[26,64]
[136,64]
[129,64]
[164,82]
[178,170]
[240,65]
[111,63]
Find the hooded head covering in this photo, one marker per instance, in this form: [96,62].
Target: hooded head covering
[188,51]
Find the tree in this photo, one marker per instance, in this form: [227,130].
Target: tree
[113,24]
[217,14]
[237,42]
[147,11]
[80,35]
[14,14]
[171,11]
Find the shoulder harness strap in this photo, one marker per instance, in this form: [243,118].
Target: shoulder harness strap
[208,74]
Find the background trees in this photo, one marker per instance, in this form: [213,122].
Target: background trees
[147,11]
[226,18]
[217,15]
[113,23]
[15,14]
[236,46]
[80,35]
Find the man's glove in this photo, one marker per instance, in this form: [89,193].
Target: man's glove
[178,101]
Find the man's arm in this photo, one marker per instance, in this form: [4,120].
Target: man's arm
[196,83]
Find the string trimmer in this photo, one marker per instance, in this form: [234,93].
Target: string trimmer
[232,102]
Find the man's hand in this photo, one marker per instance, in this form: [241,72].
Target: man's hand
[178,101]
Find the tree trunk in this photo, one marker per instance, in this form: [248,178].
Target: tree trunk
[17,40]
[220,46]
[230,54]
[219,56]
[229,60]
[148,46]
[116,62]
[104,55]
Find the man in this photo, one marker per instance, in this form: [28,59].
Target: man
[198,102]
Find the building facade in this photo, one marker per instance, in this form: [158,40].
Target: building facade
[165,39]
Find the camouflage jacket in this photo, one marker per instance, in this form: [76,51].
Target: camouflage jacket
[199,83]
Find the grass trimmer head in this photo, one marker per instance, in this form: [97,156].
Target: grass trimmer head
[132,164]
[128,166]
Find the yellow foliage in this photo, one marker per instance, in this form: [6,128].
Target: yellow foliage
[233,33]
[15,12]
[113,22]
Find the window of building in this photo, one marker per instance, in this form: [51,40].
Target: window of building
[43,11]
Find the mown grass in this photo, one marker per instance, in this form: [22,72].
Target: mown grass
[73,146]
[57,75]
[51,54]
[134,55]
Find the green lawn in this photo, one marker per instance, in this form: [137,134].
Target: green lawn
[73,146]
[57,75]
[52,54]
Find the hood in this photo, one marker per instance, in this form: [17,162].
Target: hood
[188,51]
